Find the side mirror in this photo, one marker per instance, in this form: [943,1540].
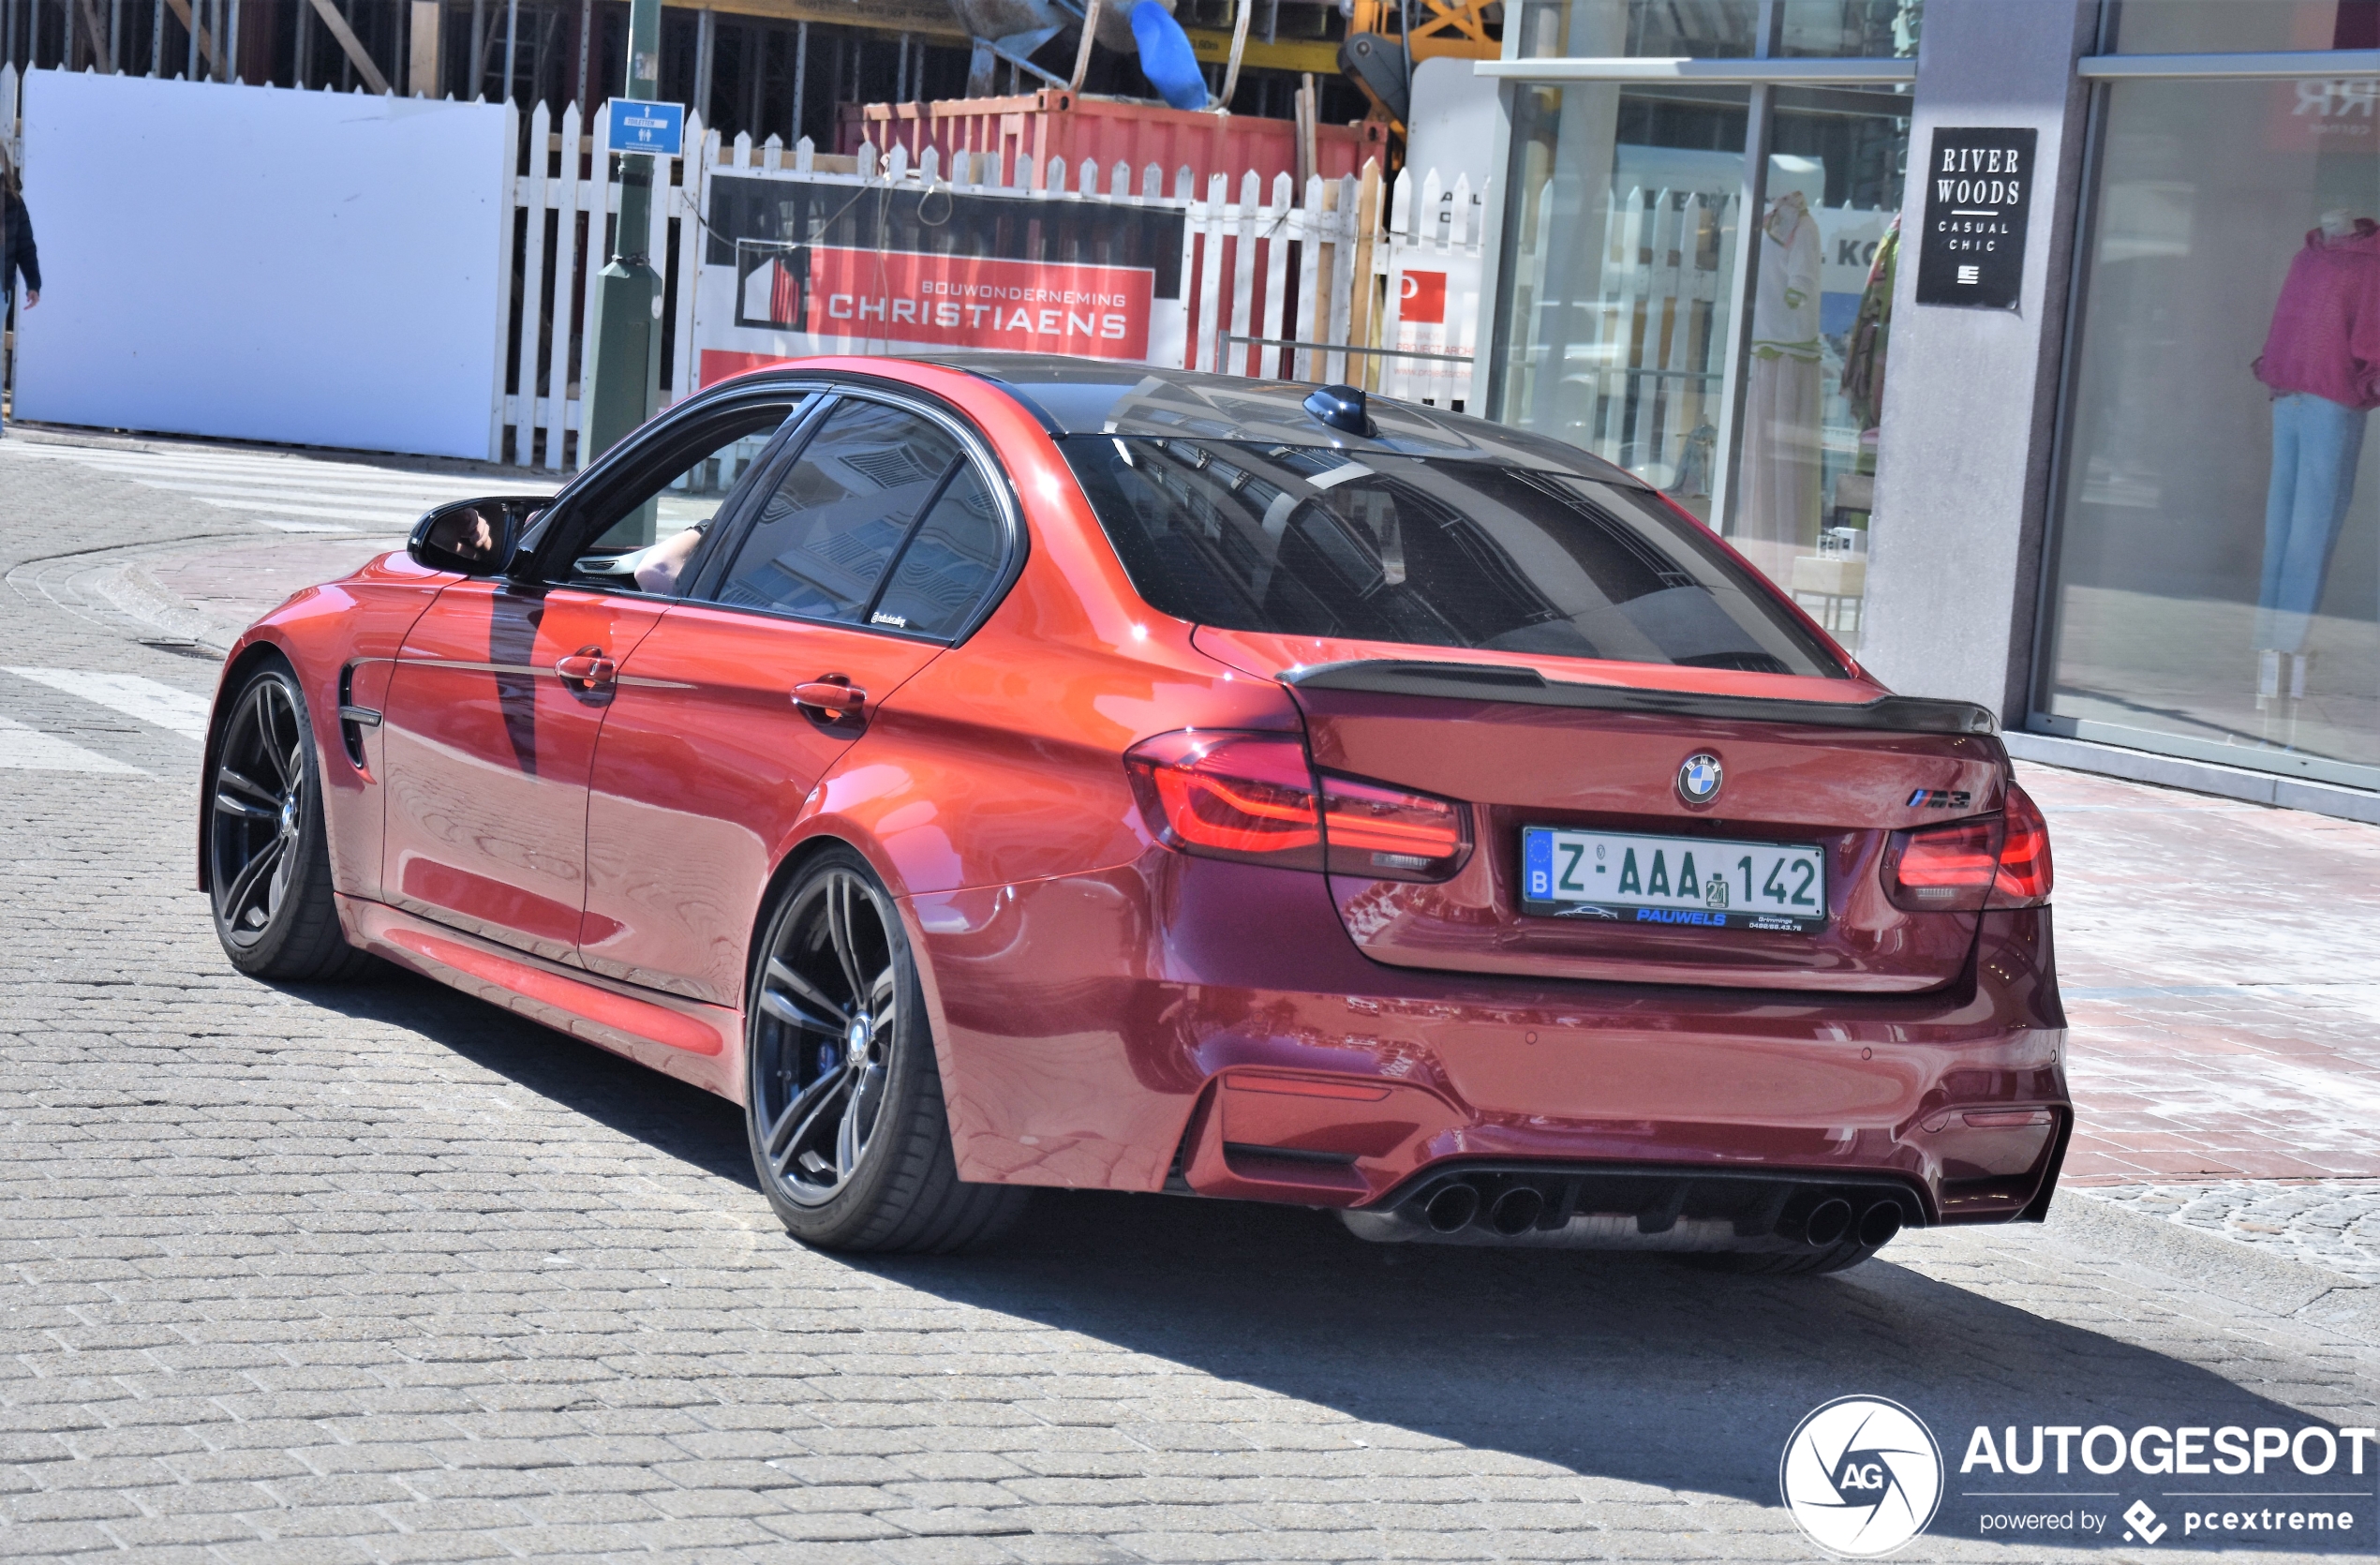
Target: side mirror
[473,536]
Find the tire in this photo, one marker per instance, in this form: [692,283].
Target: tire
[268,855]
[844,1106]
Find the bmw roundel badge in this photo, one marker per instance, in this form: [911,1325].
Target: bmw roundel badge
[1698,776]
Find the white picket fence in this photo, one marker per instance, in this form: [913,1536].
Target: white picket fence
[1239,248]
[1433,229]
[1660,323]
[562,184]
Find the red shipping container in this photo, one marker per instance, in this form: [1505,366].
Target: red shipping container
[1054,122]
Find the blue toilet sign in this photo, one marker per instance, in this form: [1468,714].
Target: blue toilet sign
[659,128]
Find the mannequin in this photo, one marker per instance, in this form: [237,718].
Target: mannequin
[2322,363]
[1779,515]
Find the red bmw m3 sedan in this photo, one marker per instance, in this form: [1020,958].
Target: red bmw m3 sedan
[1003,771]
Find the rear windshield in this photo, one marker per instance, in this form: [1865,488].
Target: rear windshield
[1435,552]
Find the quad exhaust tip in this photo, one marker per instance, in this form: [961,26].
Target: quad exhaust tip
[1453,1208]
[1827,1222]
[1495,1206]
[1516,1210]
[1881,1223]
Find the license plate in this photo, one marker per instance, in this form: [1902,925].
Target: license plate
[1624,878]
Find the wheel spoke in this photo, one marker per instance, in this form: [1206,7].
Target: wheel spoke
[867,1099]
[804,1111]
[289,736]
[847,1138]
[268,740]
[783,1010]
[225,801]
[840,934]
[225,777]
[253,877]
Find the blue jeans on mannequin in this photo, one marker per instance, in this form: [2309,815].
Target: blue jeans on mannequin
[2315,445]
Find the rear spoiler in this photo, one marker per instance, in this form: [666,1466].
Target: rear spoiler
[1470,681]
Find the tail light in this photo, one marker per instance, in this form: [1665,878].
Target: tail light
[1255,797]
[1388,834]
[1229,796]
[2002,860]
[1944,869]
[2024,874]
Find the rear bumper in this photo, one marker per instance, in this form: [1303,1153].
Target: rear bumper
[1211,1026]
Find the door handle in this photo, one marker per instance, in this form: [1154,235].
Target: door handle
[587,667]
[832,696]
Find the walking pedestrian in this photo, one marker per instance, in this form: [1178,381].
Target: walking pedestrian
[17,254]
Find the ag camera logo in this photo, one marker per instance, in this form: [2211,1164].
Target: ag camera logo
[1862,1476]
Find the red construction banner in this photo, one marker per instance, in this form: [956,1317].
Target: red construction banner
[1099,312]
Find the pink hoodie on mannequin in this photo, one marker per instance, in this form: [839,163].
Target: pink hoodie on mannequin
[2326,328]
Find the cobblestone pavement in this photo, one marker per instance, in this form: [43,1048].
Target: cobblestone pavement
[380,1274]
[2329,1223]
[2220,965]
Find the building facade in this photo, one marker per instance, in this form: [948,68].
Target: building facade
[2029,343]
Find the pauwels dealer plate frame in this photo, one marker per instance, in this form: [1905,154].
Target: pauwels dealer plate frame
[1672,862]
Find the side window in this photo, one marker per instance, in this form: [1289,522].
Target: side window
[948,562]
[819,546]
[642,534]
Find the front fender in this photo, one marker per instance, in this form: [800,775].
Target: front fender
[341,639]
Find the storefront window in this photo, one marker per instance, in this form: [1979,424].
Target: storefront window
[1600,29]
[1717,29]
[1621,275]
[1622,227]
[2246,27]
[1820,333]
[1834,29]
[2214,587]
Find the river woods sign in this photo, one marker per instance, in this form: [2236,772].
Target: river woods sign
[1979,188]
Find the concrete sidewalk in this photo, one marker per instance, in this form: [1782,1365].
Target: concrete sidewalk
[2220,961]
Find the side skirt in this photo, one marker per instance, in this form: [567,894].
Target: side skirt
[700,1044]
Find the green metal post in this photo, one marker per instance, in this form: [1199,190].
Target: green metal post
[627,355]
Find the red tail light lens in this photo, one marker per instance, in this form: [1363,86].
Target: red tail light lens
[1388,834]
[1253,797]
[2001,859]
[2025,873]
[1944,869]
[1229,796]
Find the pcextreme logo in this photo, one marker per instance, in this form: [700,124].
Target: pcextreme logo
[1862,1475]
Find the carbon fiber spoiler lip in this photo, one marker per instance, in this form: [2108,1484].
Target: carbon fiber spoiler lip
[1465,681]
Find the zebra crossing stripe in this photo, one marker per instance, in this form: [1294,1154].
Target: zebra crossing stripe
[145,700]
[29,749]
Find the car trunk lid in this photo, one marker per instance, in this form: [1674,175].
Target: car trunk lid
[1529,747]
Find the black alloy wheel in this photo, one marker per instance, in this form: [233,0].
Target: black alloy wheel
[268,861]
[848,1130]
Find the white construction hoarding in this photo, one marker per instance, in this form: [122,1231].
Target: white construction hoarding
[307,268]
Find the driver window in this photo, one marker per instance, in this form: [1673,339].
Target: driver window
[642,538]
